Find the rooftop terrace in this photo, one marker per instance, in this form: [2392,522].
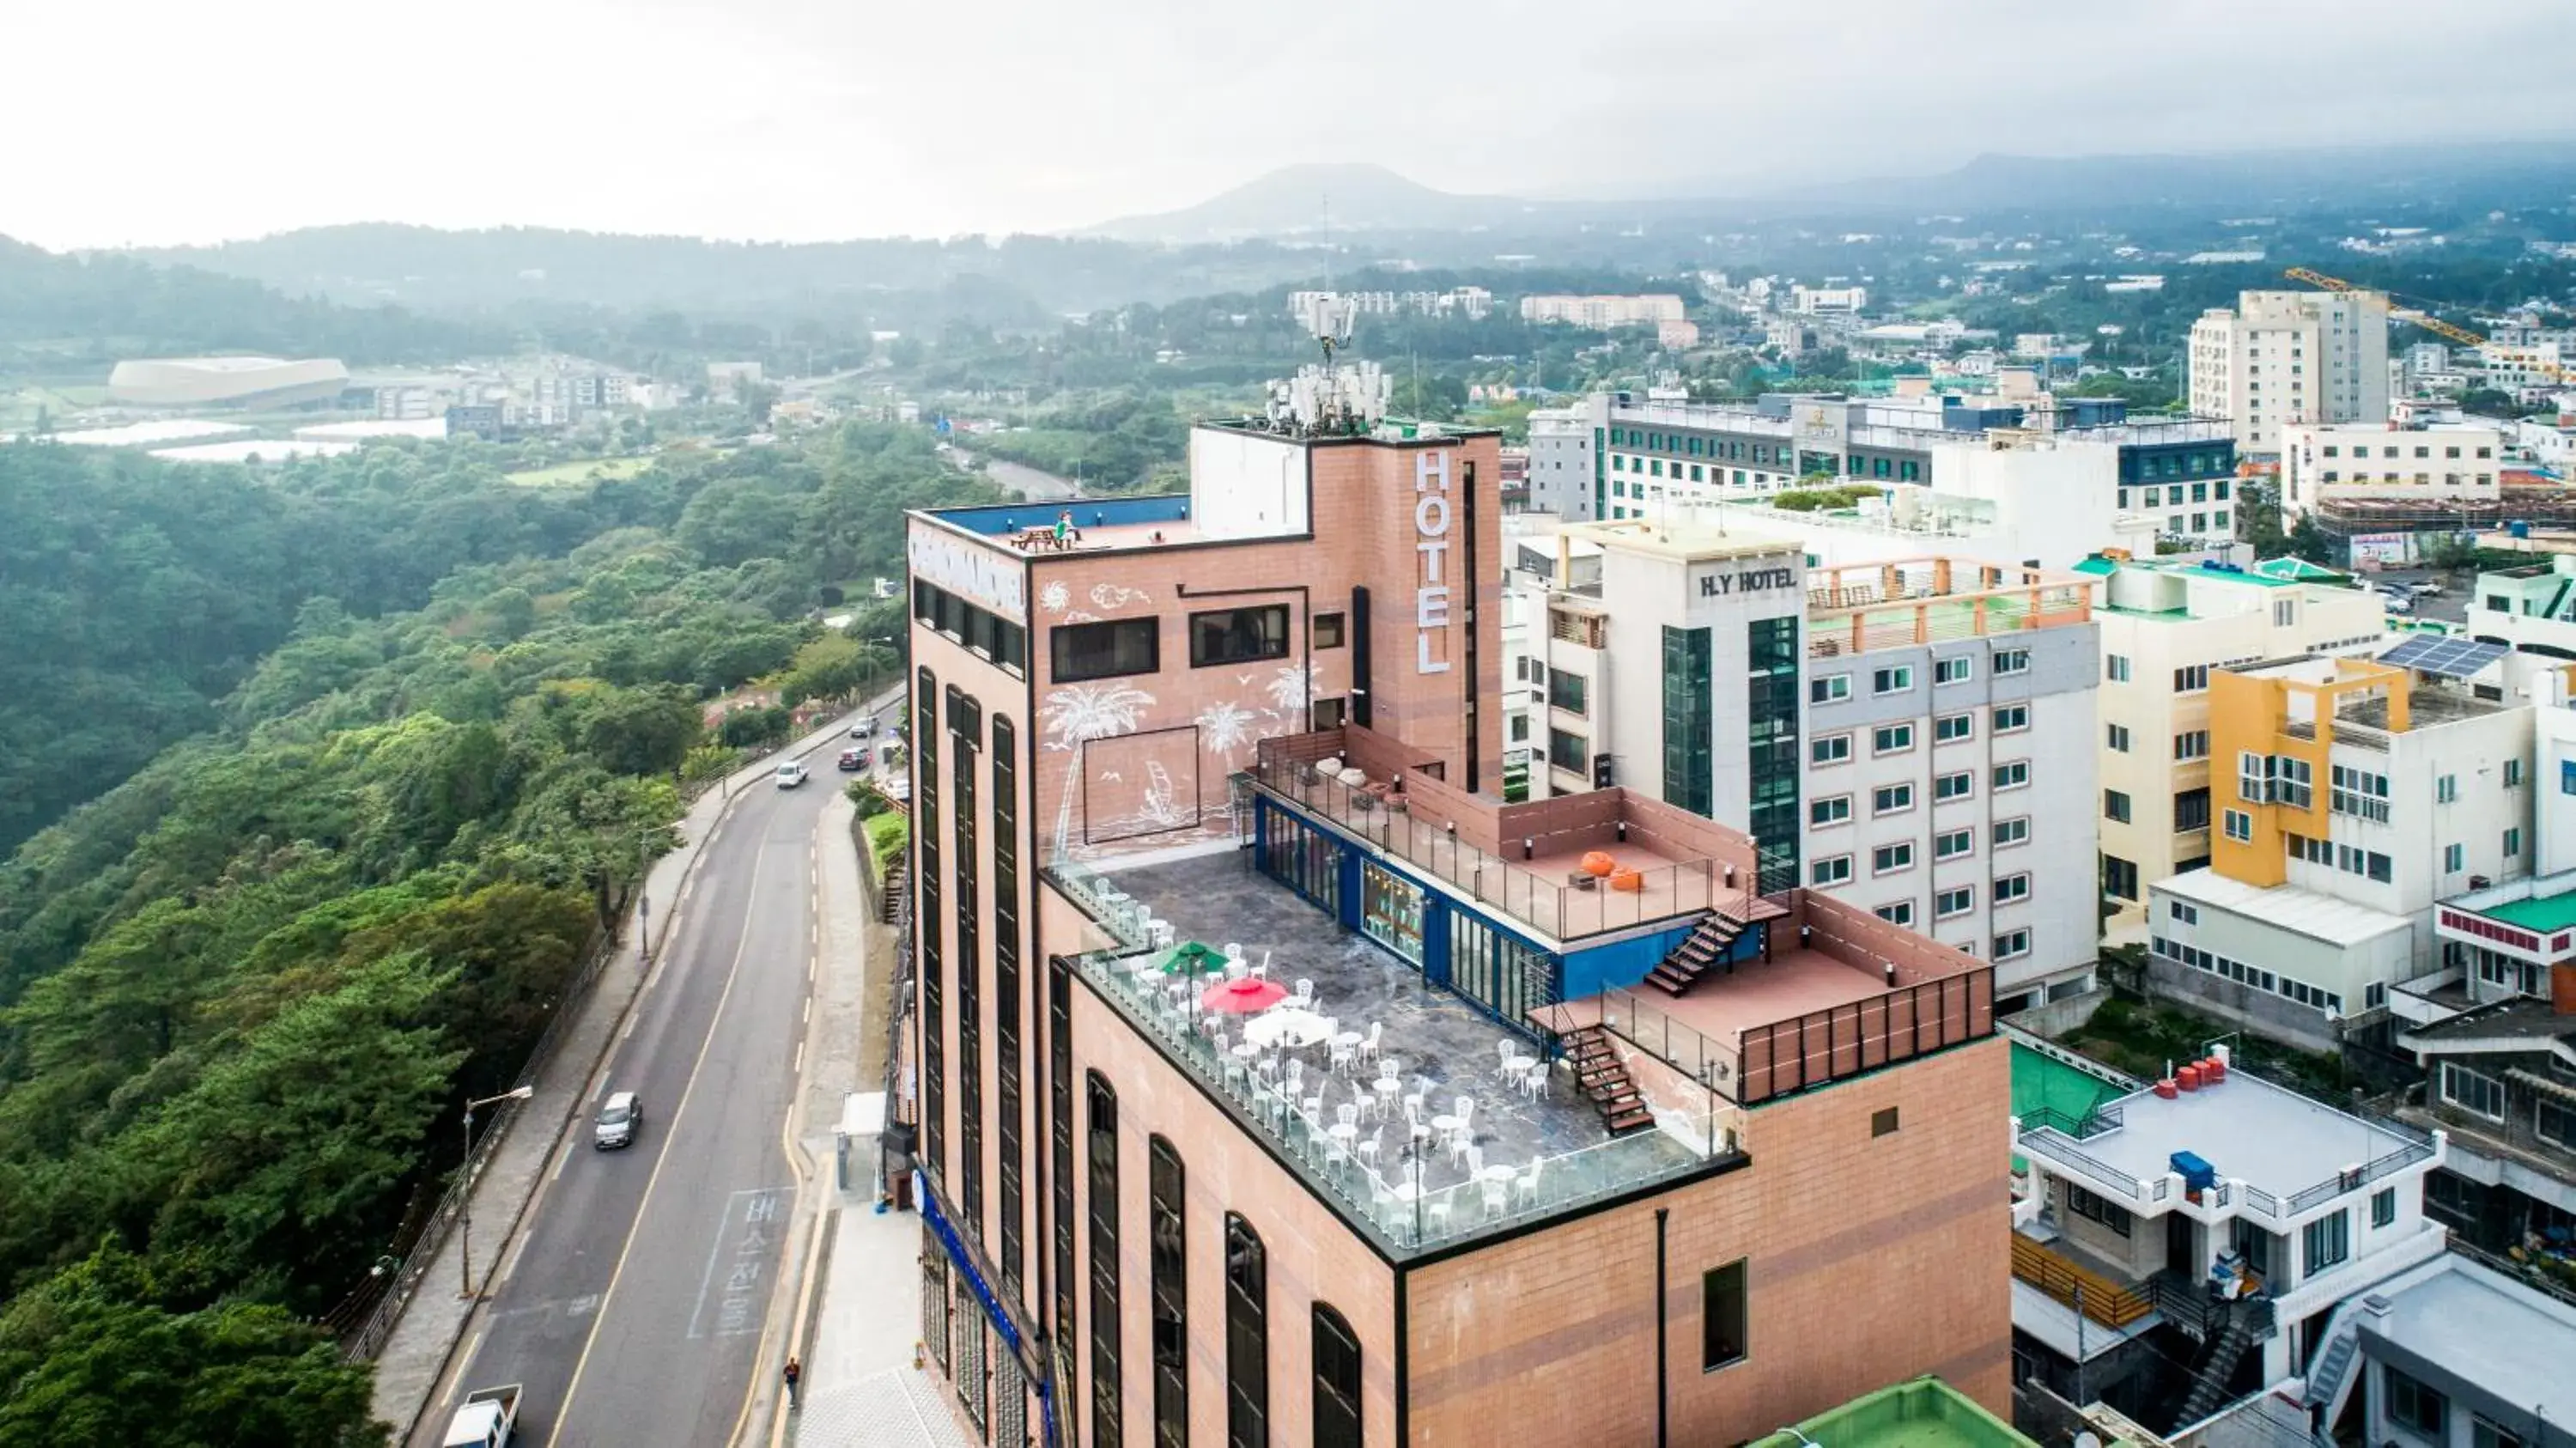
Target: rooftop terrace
[1550,1150]
[1097,525]
[1855,608]
[1522,859]
[2287,1152]
[1925,1413]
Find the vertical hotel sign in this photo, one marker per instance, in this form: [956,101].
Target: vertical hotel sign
[1431,517]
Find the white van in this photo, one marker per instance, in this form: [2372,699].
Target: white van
[791,774]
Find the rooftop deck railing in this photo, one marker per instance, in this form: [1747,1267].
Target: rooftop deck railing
[1564,910]
[1652,1029]
[1390,1202]
[2051,1134]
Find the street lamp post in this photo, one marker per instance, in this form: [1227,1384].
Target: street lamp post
[465,1186]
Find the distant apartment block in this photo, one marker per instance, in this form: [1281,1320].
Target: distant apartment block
[1828,301]
[1603,313]
[2166,628]
[2371,477]
[1471,303]
[2284,359]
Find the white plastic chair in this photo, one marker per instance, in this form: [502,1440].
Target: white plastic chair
[1498,1200]
[1534,1080]
[1306,993]
[1234,950]
[1345,1056]
[1261,971]
[1526,1184]
[1506,1051]
[1368,1043]
[1367,1150]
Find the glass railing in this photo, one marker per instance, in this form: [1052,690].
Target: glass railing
[1653,1030]
[1565,909]
[1406,1202]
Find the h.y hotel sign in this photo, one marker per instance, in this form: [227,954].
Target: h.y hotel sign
[1431,541]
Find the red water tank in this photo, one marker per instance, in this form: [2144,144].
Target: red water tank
[2165,1089]
[2212,1071]
[2188,1078]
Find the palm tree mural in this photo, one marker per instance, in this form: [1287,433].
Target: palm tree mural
[1227,727]
[1290,689]
[1076,714]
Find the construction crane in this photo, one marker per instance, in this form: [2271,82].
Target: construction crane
[2425,320]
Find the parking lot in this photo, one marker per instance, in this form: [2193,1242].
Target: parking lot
[2450,606]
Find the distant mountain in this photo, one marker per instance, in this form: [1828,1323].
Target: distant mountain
[897,282]
[1364,198]
[2342,177]
[1312,200]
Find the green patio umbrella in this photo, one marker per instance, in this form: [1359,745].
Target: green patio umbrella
[1192,958]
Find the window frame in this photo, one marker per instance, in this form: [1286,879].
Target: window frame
[1060,636]
[1277,641]
[1725,1315]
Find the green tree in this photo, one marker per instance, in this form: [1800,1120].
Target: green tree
[639,731]
[755,728]
[91,1357]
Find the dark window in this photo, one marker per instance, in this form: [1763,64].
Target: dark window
[1568,691]
[2324,1243]
[1006,993]
[1105,650]
[1060,1132]
[1772,700]
[1327,632]
[1101,1104]
[1688,705]
[1337,1381]
[1882,1122]
[2191,809]
[930,926]
[2093,1209]
[1239,635]
[2414,1406]
[965,714]
[1568,752]
[1167,1255]
[2119,877]
[2383,1207]
[1247,1336]
[1721,1316]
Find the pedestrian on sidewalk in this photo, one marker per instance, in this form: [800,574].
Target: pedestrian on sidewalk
[794,1371]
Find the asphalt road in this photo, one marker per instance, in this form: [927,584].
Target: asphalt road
[631,1309]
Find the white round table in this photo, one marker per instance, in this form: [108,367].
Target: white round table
[1289,1026]
[1501,1173]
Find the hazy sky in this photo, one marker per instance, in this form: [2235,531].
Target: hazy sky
[154,121]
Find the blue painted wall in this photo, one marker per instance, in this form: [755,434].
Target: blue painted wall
[999,518]
[1626,963]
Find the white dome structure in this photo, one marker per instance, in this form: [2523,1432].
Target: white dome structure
[225,382]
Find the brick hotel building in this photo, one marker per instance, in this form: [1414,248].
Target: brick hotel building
[1263,716]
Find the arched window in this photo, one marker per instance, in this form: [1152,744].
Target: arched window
[1166,1249]
[1101,1107]
[1247,1336]
[1337,1380]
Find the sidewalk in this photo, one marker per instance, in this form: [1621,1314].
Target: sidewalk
[857,1278]
[416,1354]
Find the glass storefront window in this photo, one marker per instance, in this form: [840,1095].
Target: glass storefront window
[1391,911]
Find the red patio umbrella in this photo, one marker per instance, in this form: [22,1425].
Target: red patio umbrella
[1243,997]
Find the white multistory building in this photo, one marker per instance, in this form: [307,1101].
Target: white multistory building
[2280,359]
[1914,735]
[2374,462]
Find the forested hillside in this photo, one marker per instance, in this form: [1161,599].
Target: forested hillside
[61,313]
[239,990]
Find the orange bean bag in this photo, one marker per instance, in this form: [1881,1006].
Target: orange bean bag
[1627,880]
[1598,862]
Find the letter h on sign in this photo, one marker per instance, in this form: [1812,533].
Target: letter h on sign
[1431,541]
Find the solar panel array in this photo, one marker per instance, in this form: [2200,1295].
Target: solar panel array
[2452,658]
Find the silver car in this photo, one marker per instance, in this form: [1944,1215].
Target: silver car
[618,1119]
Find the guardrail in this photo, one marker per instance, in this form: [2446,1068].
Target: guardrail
[2362,1176]
[2096,1296]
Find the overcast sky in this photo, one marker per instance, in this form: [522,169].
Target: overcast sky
[157,121]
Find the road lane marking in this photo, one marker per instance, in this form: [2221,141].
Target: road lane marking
[798,1069]
[661,1156]
[759,1210]
[805,1012]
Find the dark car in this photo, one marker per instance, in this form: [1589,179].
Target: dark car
[853,760]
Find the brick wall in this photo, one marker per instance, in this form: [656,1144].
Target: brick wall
[1871,1259]
[1312,1255]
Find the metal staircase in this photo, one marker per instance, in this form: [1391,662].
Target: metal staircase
[1605,1081]
[2332,1378]
[2216,1367]
[1705,946]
